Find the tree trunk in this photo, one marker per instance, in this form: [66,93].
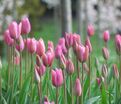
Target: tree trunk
[14,9]
[66,16]
[79,17]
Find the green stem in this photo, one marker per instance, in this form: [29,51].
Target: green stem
[57,90]
[20,79]
[40,90]
[65,97]
[0,86]
[89,76]
[71,89]
[82,84]
[31,77]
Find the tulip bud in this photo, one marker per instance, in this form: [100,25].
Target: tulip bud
[26,26]
[14,30]
[88,43]
[8,40]
[58,51]
[77,87]
[104,71]
[90,30]
[38,61]
[62,44]
[37,77]
[46,101]
[20,45]
[48,58]
[62,61]
[118,44]
[40,69]
[105,53]
[115,71]
[57,77]
[40,47]
[68,40]
[50,45]
[32,45]
[98,81]
[69,67]
[106,36]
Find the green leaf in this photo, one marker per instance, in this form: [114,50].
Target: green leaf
[103,94]
[93,100]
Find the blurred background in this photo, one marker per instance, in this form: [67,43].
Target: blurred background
[50,19]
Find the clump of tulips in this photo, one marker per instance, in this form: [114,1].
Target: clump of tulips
[67,67]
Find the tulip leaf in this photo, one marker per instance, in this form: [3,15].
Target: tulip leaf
[93,100]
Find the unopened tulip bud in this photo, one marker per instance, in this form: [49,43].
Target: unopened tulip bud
[62,61]
[38,60]
[104,71]
[20,44]
[8,40]
[57,77]
[58,51]
[40,47]
[105,53]
[32,45]
[50,45]
[118,43]
[90,30]
[37,77]
[26,26]
[88,43]
[69,67]
[14,30]
[115,71]
[106,36]
[98,81]
[77,87]
[46,101]
[68,40]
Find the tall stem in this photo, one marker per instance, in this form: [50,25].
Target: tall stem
[20,79]
[0,86]
[65,97]
[40,86]
[82,84]
[71,89]
[57,95]
[120,72]
[77,63]
[32,77]
[89,76]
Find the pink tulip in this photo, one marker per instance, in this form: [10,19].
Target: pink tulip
[38,60]
[82,53]
[40,47]
[20,45]
[31,45]
[50,45]
[104,71]
[48,58]
[118,43]
[57,77]
[62,61]
[77,87]
[115,71]
[106,36]
[58,51]
[68,40]
[105,53]
[62,44]
[88,43]
[90,30]
[14,30]
[69,67]
[26,26]
[98,81]
[40,69]
[8,40]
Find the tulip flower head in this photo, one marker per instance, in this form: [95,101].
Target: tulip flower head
[77,87]
[115,71]
[40,47]
[58,51]
[14,30]
[57,77]
[46,101]
[69,67]
[104,71]
[118,43]
[20,45]
[68,40]
[105,53]
[26,26]
[8,40]
[90,30]
[88,43]
[106,36]
[31,45]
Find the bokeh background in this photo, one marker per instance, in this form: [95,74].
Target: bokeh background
[50,19]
